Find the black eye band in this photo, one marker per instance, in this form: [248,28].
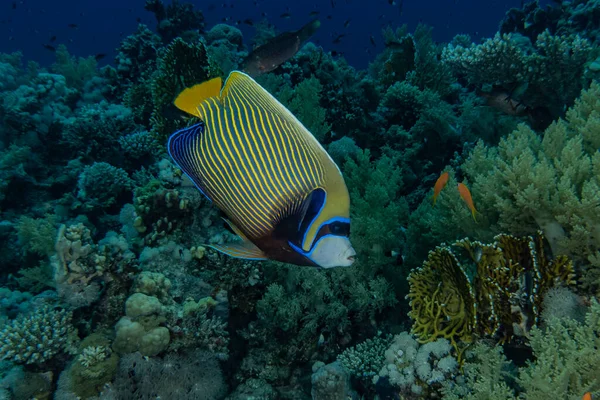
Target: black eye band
[339,228]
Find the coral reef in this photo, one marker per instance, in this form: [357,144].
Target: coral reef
[109,287]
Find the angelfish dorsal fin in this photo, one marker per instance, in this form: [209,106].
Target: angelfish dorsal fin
[189,100]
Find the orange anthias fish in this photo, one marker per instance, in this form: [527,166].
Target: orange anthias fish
[439,185]
[278,50]
[587,396]
[466,196]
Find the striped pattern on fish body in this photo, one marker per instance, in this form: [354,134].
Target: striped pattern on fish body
[261,167]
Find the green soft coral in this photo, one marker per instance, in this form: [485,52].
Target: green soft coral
[377,210]
[549,182]
[567,359]
[485,375]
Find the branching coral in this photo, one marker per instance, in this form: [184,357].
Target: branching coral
[176,19]
[181,65]
[102,186]
[77,71]
[365,359]
[94,133]
[38,337]
[551,69]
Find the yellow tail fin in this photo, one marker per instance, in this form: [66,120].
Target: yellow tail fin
[190,98]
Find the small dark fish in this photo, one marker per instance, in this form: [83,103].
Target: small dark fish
[338,38]
[99,56]
[286,15]
[372,39]
[264,14]
[313,14]
[335,53]
[225,19]
[249,22]
[278,50]
[332,3]
[53,38]
[392,2]
[211,7]
[138,20]
[14,5]
[73,26]
[49,47]
[346,23]
[400,7]
[329,17]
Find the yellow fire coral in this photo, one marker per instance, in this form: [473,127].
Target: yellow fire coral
[442,299]
[484,290]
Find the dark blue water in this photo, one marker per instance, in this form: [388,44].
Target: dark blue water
[27,25]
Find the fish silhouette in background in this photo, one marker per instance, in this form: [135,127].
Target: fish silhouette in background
[282,193]
[278,50]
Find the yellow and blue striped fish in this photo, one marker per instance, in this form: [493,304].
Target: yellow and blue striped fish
[281,192]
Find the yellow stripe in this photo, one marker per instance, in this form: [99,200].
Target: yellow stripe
[274,126]
[227,192]
[252,188]
[257,219]
[307,179]
[275,173]
[274,202]
[243,212]
[254,97]
[284,179]
[278,185]
[255,133]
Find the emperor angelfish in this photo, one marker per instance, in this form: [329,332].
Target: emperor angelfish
[280,190]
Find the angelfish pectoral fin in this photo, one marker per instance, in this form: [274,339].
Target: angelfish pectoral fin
[245,249]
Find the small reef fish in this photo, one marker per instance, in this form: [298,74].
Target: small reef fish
[278,50]
[439,185]
[280,190]
[338,38]
[503,102]
[465,194]
[587,396]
